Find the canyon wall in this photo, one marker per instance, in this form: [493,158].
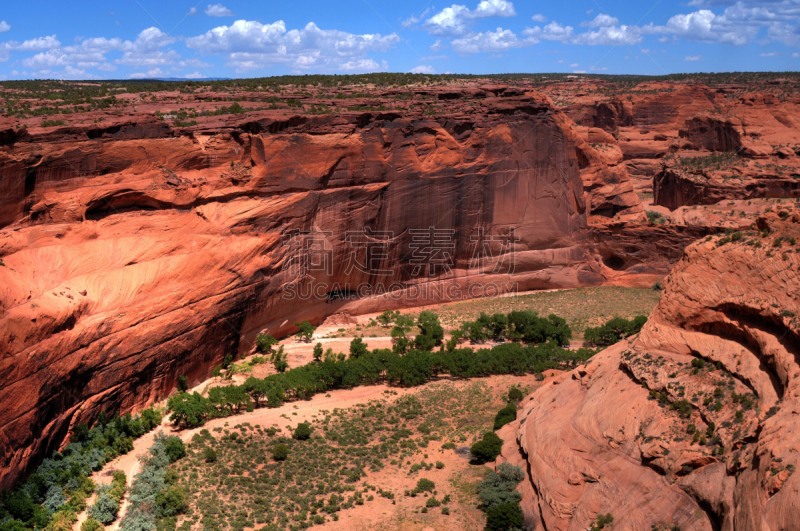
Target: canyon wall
[133,252]
[694,423]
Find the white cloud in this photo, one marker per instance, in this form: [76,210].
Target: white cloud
[436,46]
[539,18]
[155,72]
[218,10]
[423,69]
[610,35]
[601,21]
[693,58]
[560,61]
[574,65]
[796,54]
[414,19]
[770,54]
[551,32]
[253,45]
[4,26]
[191,12]
[454,20]
[739,23]
[194,75]
[490,41]
[363,65]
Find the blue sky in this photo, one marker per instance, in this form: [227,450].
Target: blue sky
[145,38]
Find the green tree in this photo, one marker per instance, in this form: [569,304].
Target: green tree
[487,449]
[505,517]
[90,524]
[318,352]
[280,452]
[174,448]
[505,415]
[209,455]
[189,410]
[265,342]
[358,348]
[306,330]
[183,383]
[104,509]
[302,432]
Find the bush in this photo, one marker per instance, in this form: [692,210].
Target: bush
[425,485]
[603,521]
[280,452]
[172,501]
[504,517]
[614,330]
[302,432]
[505,415]
[174,448]
[90,524]
[432,502]
[515,394]
[104,509]
[499,487]
[183,383]
[209,455]
[486,449]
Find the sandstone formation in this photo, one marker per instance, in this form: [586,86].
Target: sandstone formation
[133,252]
[695,423]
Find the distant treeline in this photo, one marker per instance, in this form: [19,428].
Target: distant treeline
[60,89]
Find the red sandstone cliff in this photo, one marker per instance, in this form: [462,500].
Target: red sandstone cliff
[133,252]
[719,357]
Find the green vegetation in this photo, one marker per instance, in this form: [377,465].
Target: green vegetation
[505,415]
[266,476]
[381,365]
[487,449]
[156,499]
[57,490]
[305,330]
[614,330]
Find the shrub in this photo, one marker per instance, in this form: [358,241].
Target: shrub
[614,330]
[90,524]
[174,448]
[432,502]
[499,487]
[104,509]
[515,394]
[487,449]
[172,501]
[425,485]
[54,498]
[280,452]
[318,352]
[603,521]
[505,415]
[504,517]
[302,432]
[209,455]
[183,383]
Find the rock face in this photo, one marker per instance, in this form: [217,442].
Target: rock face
[133,252]
[695,422]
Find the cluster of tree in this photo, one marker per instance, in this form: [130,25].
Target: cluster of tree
[104,510]
[155,495]
[525,326]
[500,499]
[614,330]
[57,490]
[410,368]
